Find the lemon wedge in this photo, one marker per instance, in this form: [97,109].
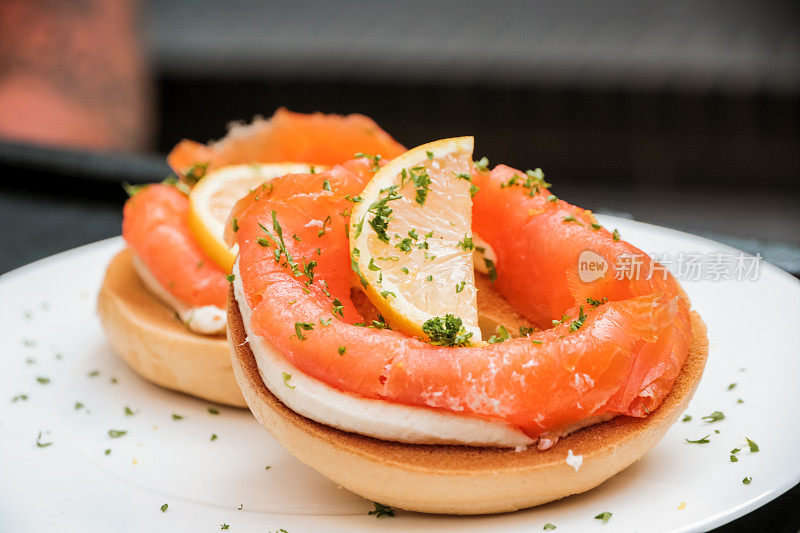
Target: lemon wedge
[213,197]
[411,242]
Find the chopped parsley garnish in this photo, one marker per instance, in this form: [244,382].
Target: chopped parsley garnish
[595,303]
[419,177]
[230,277]
[299,327]
[552,198]
[429,155]
[325,321]
[338,308]
[753,446]
[176,416]
[381,323]
[686,418]
[128,411]
[596,226]
[482,164]
[501,335]
[164,508]
[404,270]
[196,172]
[578,322]
[354,199]
[79,405]
[382,510]
[473,190]
[326,185]
[446,331]
[429,278]
[604,516]
[308,270]
[571,218]
[117,433]
[213,437]
[372,266]
[466,244]
[703,440]
[615,235]
[282,245]
[386,294]
[225,526]
[524,331]
[732,386]
[464,176]
[549,526]
[40,444]
[286,377]
[42,380]
[716,416]
[107,451]
[381,215]
[460,286]
[341,350]
[213,411]
[747,480]
[490,267]
[19,397]
[235,224]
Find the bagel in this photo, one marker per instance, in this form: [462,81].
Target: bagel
[451,479]
[146,334]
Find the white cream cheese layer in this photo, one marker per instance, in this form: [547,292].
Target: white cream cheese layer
[207,319]
[381,419]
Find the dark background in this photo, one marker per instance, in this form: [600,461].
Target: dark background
[684,114]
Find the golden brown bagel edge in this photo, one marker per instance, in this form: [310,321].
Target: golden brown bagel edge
[461,479]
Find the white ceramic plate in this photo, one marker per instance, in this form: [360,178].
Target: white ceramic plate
[50,331]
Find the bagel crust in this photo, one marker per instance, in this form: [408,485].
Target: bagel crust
[462,479]
[155,344]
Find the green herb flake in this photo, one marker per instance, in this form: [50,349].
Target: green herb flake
[164,508]
[107,451]
[129,411]
[615,235]
[117,433]
[491,268]
[286,377]
[176,416]
[716,416]
[382,510]
[501,335]
[342,350]
[460,286]
[552,198]
[577,324]
[605,517]
[225,526]
[687,418]
[230,277]
[548,526]
[326,185]
[213,437]
[446,331]
[753,446]
[703,440]
[466,243]
[482,164]
[40,444]
[299,327]
[235,224]
[732,386]
[213,411]
[43,380]
[747,480]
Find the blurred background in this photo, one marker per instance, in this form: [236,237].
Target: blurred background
[683,114]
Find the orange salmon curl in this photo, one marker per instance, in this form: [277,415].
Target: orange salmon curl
[617,353]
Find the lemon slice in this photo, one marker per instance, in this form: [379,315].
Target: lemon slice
[411,240]
[213,197]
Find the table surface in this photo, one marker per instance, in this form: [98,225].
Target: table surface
[38,224]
